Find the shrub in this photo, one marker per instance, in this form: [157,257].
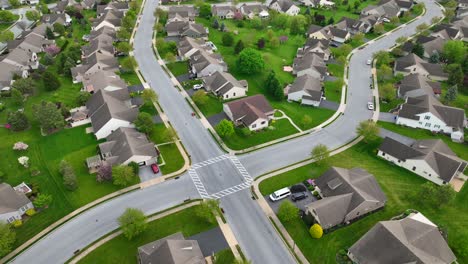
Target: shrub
[316,231]
[135,167]
[30,212]
[287,211]
[17,223]
[315,193]
[246,132]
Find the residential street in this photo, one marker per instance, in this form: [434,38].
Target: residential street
[257,237]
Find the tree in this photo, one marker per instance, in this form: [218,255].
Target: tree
[454,51]
[49,116]
[250,61]
[274,42]
[320,153]
[49,33]
[123,47]
[435,58]
[6,35]
[14,3]
[206,209]
[205,11]
[200,97]
[59,29]
[418,49]
[215,24]
[135,167]
[379,29]
[69,177]
[82,98]
[50,81]
[42,200]
[149,95]
[169,133]
[222,27]
[123,34]
[18,121]
[170,57]
[132,223]
[228,39]
[48,59]
[7,16]
[401,40]
[123,175]
[449,14]
[297,25]
[455,73]
[104,172]
[17,97]
[225,128]
[368,130]
[422,27]
[451,94]
[7,238]
[25,86]
[129,63]
[52,49]
[273,86]
[382,57]
[434,196]
[287,211]
[261,43]
[239,47]
[387,92]
[33,15]
[316,231]
[395,20]
[358,38]
[384,73]
[144,123]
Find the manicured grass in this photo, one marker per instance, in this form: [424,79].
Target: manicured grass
[461,149]
[281,129]
[342,10]
[388,106]
[461,101]
[224,257]
[172,157]
[122,250]
[149,108]
[4,26]
[178,68]
[336,70]
[212,106]
[333,90]
[297,112]
[400,187]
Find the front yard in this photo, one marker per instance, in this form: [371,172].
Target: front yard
[400,187]
[122,250]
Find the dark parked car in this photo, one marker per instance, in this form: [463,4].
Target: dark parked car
[155,168]
[298,196]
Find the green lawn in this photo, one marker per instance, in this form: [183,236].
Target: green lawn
[212,106]
[400,187]
[342,10]
[461,149]
[172,157]
[278,129]
[4,26]
[297,112]
[224,257]
[178,68]
[333,90]
[121,250]
[388,106]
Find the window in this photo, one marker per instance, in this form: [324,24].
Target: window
[436,126]
[414,168]
[263,122]
[11,219]
[383,153]
[233,94]
[427,117]
[254,125]
[428,125]
[399,161]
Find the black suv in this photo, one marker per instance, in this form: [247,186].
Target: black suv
[298,196]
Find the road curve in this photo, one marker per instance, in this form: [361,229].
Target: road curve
[257,238]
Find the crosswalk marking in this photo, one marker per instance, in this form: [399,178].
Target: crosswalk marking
[228,191]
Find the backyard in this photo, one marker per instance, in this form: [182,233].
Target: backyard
[122,250]
[400,187]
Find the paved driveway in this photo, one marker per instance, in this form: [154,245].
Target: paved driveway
[215,119]
[147,174]
[387,133]
[387,117]
[329,105]
[211,241]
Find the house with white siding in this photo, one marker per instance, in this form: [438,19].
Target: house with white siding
[253,112]
[203,63]
[285,6]
[312,64]
[13,204]
[431,159]
[225,86]
[306,90]
[412,64]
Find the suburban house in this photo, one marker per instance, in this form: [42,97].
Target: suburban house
[462,3]
[60,7]
[447,32]
[25,60]
[223,11]
[103,44]
[204,64]
[185,12]
[111,18]
[318,3]
[32,42]
[386,10]
[431,45]
[187,46]
[252,10]
[126,145]
[333,33]
[317,46]
[7,72]
[96,62]
[426,112]
[109,111]
[13,203]
[413,239]
[39,30]
[285,6]
[116,6]
[312,64]
[107,31]
[87,4]
[225,86]
[306,89]
[103,80]
[316,32]
[253,112]
[186,28]
[415,85]
[51,19]
[411,64]
[347,195]
[174,249]
[431,159]
[363,25]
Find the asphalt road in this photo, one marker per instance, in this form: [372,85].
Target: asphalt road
[258,239]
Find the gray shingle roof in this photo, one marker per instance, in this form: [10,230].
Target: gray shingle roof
[310,61]
[311,85]
[413,239]
[11,200]
[285,5]
[346,192]
[435,152]
[101,80]
[401,64]
[221,82]
[250,109]
[415,85]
